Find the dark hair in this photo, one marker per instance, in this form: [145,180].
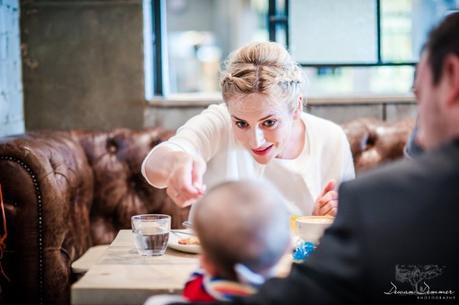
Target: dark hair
[443,40]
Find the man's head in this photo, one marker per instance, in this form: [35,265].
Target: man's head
[437,85]
[242,222]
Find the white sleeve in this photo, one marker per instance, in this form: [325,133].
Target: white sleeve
[348,171]
[338,162]
[201,135]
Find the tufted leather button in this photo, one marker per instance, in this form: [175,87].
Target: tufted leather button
[112,146]
[155,142]
[53,164]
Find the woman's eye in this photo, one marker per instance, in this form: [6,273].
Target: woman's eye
[269,123]
[241,124]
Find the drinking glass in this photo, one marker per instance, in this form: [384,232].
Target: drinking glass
[151,233]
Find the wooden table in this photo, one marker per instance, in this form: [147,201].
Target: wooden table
[122,276]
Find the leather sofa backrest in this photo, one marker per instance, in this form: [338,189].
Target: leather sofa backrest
[120,190]
[67,191]
[47,185]
[374,142]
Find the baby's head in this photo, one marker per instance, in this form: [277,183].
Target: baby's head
[241,222]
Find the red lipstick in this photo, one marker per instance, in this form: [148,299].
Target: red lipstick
[262,151]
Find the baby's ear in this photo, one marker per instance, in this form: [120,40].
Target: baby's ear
[208,265]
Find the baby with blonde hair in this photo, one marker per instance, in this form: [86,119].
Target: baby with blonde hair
[243,228]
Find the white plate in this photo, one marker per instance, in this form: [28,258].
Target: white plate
[173,242]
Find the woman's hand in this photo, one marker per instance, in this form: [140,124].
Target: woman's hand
[327,202]
[184,183]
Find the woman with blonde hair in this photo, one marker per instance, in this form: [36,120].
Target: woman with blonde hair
[260,131]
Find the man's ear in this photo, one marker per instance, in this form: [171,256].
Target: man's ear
[450,79]
[298,108]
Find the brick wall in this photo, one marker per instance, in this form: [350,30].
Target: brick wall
[11,104]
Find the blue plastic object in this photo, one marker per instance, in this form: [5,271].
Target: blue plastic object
[303,251]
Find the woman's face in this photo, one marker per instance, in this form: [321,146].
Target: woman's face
[263,125]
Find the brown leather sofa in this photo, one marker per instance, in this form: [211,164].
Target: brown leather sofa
[374,142]
[67,191]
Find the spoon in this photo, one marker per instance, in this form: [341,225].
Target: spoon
[187,224]
[179,233]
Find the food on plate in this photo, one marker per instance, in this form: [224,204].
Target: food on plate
[193,240]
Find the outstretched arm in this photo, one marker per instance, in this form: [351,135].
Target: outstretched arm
[180,172]
[180,163]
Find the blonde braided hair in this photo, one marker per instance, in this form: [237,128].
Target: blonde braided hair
[262,67]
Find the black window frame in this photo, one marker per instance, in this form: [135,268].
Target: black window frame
[280,18]
[158,23]
[276,18]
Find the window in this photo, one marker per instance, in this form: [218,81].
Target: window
[345,47]
[361,46]
[200,34]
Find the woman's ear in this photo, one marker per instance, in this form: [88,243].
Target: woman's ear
[298,108]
